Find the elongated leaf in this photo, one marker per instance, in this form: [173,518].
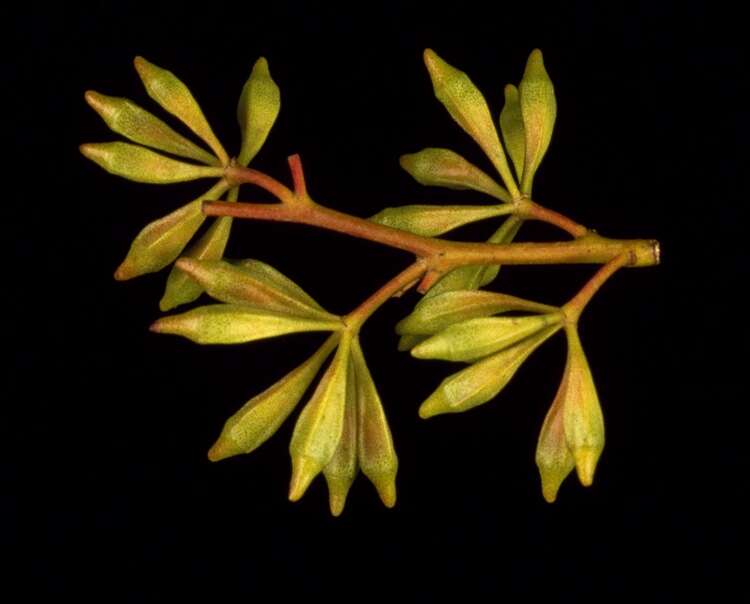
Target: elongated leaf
[265,272]
[539,110]
[435,313]
[377,455]
[143,165]
[161,241]
[124,117]
[320,425]
[235,285]
[167,90]
[483,380]
[553,458]
[445,168]
[511,125]
[261,416]
[235,324]
[257,110]
[430,221]
[468,108]
[477,338]
[505,234]
[342,468]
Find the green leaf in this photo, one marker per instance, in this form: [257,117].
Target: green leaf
[377,455]
[320,425]
[235,285]
[236,324]
[430,221]
[477,338]
[124,117]
[436,313]
[553,458]
[143,165]
[265,272]
[444,168]
[160,242]
[468,108]
[257,110]
[262,415]
[483,380]
[539,110]
[167,90]
[511,125]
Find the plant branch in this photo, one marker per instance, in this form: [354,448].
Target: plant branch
[238,175]
[573,309]
[533,211]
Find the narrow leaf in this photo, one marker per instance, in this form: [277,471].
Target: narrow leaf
[265,272]
[431,221]
[444,168]
[261,416]
[143,165]
[257,110]
[511,125]
[167,90]
[235,324]
[483,380]
[553,458]
[124,117]
[468,108]
[161,241]
[539,110]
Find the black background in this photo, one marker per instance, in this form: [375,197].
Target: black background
[109,491]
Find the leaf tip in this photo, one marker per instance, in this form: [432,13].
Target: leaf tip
[304,470]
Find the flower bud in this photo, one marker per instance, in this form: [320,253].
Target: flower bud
[539,110]
[261,416]
[468,108]
[553,458]
[321,423]
[511,126]
[236,323]
[167,90]
[483,380]
[124,117]
[143,165]
[431,221]
[445,168]
[257,110]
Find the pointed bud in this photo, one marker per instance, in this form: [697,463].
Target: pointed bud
[511,126]
[143,165]
[468,108]
[167,90]
[553,458]
[341,470]
[160,242]
[483,380]
[435,313]
[431,221]
[257,110]
[539,110]
[445,168]
[262,415]
[236,324]
[377,456]
[582,415]
[124,117]
[477,338]
[238,285]
[320,425]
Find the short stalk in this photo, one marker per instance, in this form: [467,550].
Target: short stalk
[573,309]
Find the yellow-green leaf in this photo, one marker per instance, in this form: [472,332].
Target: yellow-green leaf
[468,108]
[553,458]
[161,241]
[430,221]
[167,90]
[539,110]
[511,126]
[236,324]
[265,272]
[235,285]
[320,425]
[444,168]
[124,117]
[257,110]
[261,416]
[377,455]
[483,380]
[143,165]
[477,338]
